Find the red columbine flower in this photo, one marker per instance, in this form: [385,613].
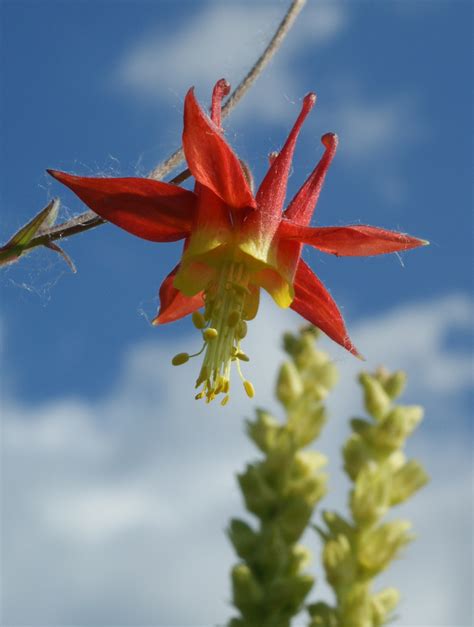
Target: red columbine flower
[235,242]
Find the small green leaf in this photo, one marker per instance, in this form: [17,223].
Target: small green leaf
[19,244]
[44,218]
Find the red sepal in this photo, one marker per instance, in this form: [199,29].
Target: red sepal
[152,210]
[210,158]
[173,303]
[302,206]
[349,241]
[315,304]
[272,191]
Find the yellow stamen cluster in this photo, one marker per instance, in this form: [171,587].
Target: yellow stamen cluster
[223,326]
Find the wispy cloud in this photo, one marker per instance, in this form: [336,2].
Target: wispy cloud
[124,502]
[377,131]
[225,39]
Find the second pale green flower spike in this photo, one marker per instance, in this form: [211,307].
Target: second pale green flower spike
[357,550]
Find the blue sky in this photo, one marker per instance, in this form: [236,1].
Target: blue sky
[97,88]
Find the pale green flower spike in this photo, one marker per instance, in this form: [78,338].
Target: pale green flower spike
[357,550]
[269,583]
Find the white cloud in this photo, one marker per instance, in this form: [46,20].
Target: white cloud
[225,39]
[376,132]
[115,511]
[371,127]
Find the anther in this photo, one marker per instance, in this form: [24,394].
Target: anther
[233,318]
[180,358]
[225,400]
[242,330]
[249,389]
[198,320]
[242,356]
[210,334]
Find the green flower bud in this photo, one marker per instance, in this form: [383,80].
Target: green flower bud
[309,490]
[198,320]
[383,605]
[363,427]
[306,463]
[259,496]
[378,547]
[290,344]
[337,525]
[243,537]
[247,591]
[263,431]
[319,376]
[328,375]
[288,593]
[294,516]
[395,461]
[377,401]
[370,497]
[305,421]
[396,427]
[300,558]
[338,561]
[356,607]
[322,615]
[289,384]
[273,553]
[356,454]
[406,481]
[395,384]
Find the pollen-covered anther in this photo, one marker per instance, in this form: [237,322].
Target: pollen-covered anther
[233,319]
[249,389]
[180,358]
[210,334]
[199,320]
[242,330]
[242,356]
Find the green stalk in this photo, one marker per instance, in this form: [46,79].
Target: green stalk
[270,582]
[357,550]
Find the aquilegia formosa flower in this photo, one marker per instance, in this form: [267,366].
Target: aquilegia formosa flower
[235,242]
